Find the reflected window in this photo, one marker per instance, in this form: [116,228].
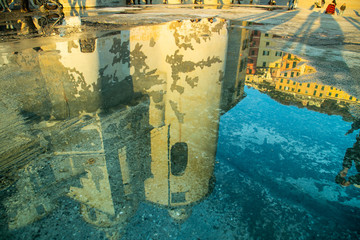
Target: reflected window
[323,87]
[285,74]
[294,64]
[245,44]
[316,86]
[314,93]
[292,74]
[298,90]
[336,95]
[179,158]
[281,80]
[287,65]
[87,45]
[280,87]
[308,85]
[329,93]
[320,95]
[297,74]
[241,65]
[350,97]
[288,81]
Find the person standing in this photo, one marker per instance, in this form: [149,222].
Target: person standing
[331,8]
[352,155]
[342,9]
[25,6]
[292,4]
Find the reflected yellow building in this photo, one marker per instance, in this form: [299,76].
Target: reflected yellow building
[314,90]
[276,69]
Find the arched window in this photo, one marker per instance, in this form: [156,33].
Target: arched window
[179,158]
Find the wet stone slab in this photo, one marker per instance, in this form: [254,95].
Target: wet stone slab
[189,129]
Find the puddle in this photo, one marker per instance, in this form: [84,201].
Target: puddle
[192,129]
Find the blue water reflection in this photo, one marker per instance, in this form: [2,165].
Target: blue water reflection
[283,161]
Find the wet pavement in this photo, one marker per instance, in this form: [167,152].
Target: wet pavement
[178,126]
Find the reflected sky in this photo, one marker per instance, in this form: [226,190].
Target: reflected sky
[188,129]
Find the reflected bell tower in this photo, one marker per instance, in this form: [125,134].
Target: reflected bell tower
[184,84]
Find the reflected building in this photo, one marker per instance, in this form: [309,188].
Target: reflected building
[122,118]
[253,51]
[275,74]
[237,58]
[185,107]
[93,155]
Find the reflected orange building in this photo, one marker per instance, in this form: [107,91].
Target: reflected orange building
[278,69]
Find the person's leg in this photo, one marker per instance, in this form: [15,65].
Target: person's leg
[350,154]
[2,5]
[25,6]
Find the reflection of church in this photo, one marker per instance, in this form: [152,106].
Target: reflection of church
[125,118]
